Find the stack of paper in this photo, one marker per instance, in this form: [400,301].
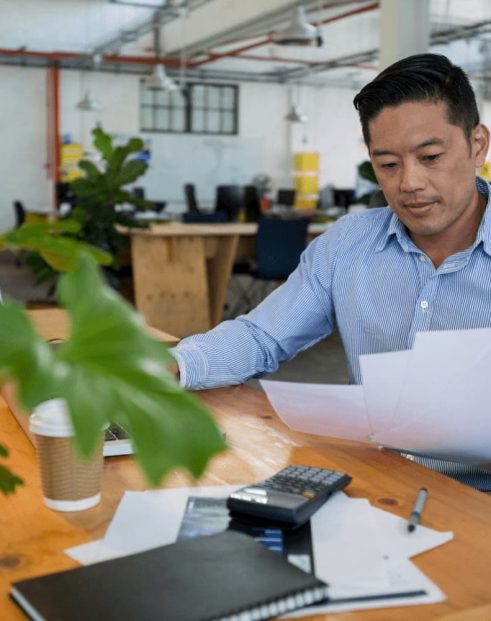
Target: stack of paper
[430,400]
[361,551]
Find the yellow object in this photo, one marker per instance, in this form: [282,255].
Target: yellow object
[306,161]
[33,218]
[71,154]
[306,180]
[306,203]
[485,171]
[306,185]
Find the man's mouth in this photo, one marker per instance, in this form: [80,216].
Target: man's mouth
[420,207]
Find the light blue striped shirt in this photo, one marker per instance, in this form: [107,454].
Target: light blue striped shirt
[364,277]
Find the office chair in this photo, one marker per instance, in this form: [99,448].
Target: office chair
[229,199]
[65,195]
[193,217]
[279,244]
[20,214]
[190,196]
[138,192]
[343,197]
[285,197]
[252,203]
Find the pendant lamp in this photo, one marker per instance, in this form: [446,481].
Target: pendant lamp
[299,32]
[296,115]
[158,79]
[88,103]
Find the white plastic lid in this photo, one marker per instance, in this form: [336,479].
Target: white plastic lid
[51,419]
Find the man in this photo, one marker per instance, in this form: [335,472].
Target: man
[381,276]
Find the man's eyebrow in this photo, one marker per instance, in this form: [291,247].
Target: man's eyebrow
[427,143]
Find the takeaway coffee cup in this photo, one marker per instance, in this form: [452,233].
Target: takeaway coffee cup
[70,483]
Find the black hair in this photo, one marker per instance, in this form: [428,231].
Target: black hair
[422,77]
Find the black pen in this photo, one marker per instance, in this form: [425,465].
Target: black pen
[417,509]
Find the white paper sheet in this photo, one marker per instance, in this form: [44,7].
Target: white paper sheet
[358,549]
[383,378]
[431,400]
[404,577]
[331,410]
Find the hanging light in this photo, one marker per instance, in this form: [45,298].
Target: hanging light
[296,115]
[88,103]
[158,79]
[299,32]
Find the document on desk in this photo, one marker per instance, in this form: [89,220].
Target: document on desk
[430,400]
[361,551]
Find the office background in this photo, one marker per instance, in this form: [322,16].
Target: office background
[270,78]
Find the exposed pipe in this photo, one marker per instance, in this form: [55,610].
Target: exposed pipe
[269,38]
[60,56]
[53,164]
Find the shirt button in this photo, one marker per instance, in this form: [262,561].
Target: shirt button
[424,305]
[422,258]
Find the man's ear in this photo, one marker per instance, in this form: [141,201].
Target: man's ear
[480,144]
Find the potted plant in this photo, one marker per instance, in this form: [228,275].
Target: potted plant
[110,370]
[99,199]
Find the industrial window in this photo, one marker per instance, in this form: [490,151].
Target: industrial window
[200,109]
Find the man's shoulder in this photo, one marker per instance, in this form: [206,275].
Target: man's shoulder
[370,222]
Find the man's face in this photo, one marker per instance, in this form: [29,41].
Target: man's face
[426,168]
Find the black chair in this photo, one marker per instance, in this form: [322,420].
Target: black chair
[343,197]
[203,218]
[279,244]
[190,196]
[65,194]
[229,199]
[252,203]
[285,197]
[20,214]
[138,192]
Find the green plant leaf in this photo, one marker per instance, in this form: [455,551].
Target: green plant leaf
[25,357]
[103,143]
[90,169]
[112,370]
[134,145]
[365,169]
[130,172]
[8,481]
[59,251]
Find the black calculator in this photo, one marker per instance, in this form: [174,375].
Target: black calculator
[288,498]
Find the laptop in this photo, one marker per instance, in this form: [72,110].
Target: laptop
[116,439]
[53,325]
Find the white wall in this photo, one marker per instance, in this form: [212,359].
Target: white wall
[23,114]
[264,145]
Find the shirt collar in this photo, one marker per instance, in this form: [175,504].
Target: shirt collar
[397,229]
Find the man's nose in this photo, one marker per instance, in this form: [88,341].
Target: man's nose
[412,178]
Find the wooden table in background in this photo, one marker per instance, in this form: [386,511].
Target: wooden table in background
[181,271]
[53,324]
[33,537]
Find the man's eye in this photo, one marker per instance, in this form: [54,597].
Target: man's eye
[432,158]
[388,165]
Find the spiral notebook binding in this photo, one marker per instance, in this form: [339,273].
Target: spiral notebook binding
[268,610]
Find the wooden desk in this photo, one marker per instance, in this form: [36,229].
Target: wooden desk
[53,324]
[33,537]
[181,272]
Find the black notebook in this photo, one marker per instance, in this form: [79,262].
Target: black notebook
[202,579]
